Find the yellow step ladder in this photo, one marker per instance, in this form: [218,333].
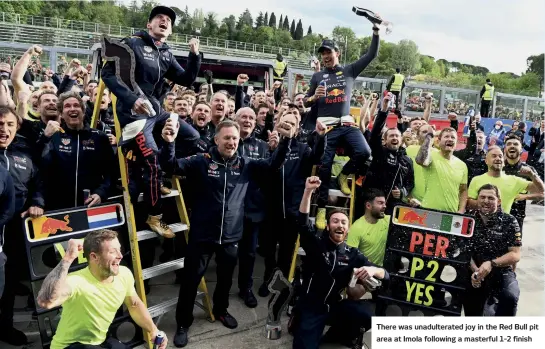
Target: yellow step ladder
[135,236]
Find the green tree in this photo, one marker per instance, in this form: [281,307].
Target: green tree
[299,31]
[245,19]
[286,25]
[309,30]
[406,57]
[264,35]
[281,22]
[197,20]
[536,65]
[428,66]
[230,23]
[259,20]
[292,28]
[272,20]
[266,19]
[346,39]
[211,27]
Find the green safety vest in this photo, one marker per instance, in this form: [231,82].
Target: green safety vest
[279,68]
[398,82]
[488,92]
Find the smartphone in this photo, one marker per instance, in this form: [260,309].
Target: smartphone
[86,194]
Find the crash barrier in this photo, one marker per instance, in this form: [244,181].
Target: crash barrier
[46,240]
[427,256]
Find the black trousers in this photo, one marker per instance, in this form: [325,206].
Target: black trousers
[110,343]
[398,99]
[502,285]
[281,231]
[345,135]
[346,318]
[246,254]
[485,108]
[16,269]
[143,167]
[196,262]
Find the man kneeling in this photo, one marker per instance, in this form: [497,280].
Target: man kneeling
[327,271]
[90,297]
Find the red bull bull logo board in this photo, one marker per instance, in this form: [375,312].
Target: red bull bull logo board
[46,226]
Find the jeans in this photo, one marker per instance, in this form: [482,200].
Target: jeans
[346,318]
[196,262]
[501,284]
[341,135]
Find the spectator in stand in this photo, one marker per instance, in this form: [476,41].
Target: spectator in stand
[509,186]
[496,135]
[444,172]
[79,159]
[216,220]
[7,209]
[97,291]
[18,161]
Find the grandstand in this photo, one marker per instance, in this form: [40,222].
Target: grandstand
[58,32]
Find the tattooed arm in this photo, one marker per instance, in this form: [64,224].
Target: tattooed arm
[55,290]
[423,158]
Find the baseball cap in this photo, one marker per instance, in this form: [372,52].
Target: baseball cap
[328,45]
[162,10]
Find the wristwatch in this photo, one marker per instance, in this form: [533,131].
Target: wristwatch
[494,264]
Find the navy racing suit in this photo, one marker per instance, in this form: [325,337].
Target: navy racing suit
[154,62]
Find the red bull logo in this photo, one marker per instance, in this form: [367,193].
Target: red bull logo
[412,217]
[335,92]
[46,226]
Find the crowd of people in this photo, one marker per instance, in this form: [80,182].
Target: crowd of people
[247,166]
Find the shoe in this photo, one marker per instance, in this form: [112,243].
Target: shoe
[264,290]
[164,190]
[180,338]
[249,298]
[226,319]
[320,219]
[13,337]
[343,184]
[160,227]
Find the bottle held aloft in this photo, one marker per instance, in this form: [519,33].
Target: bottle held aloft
[373,18]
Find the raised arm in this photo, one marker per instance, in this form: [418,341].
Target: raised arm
[167,155]
[358,66]
[423,158]
[55,290]
[185,77]
[21,67]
